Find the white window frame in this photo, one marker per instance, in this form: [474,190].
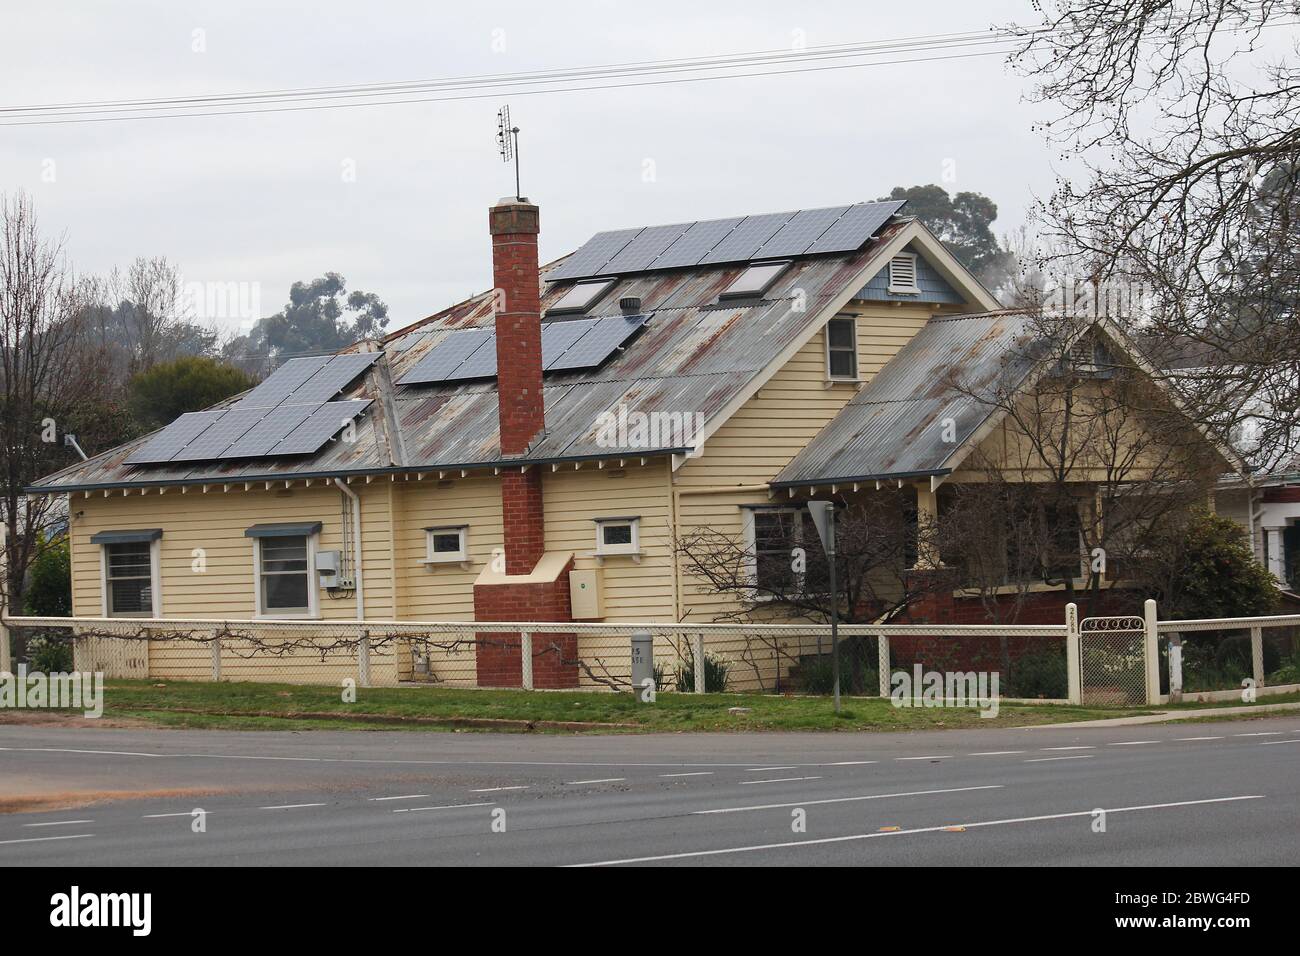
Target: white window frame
[750,533]
[446,557]
[632,548]
[857,373]
[898,288]
[155,583]
[312,613]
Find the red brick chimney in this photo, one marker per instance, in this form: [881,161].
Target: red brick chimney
[514,227]
[520,408]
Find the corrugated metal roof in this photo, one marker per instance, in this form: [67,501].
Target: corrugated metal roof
[692,358]
[923,405]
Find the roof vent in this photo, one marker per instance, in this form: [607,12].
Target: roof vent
[630,303]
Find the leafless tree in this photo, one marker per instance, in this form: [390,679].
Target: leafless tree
[49,378]
[784,572]
[1185,115]
[1090,460]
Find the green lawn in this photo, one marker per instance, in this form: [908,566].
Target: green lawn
[250,706]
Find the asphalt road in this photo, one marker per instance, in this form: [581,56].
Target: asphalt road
[1193,794]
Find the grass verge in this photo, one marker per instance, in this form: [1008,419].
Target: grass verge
[257,706]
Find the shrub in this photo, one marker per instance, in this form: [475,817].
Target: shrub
[818,675]
[1040,674]
[1211,572]
[715,675]
[50,655]
[50,592]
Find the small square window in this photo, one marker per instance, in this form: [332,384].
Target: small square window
[617,536]
[581,296]
[446,544]
[842,349]
[755,280]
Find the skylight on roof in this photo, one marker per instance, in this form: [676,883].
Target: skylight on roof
[755,280]
[581,297]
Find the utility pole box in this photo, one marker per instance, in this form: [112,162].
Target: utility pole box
[643,662]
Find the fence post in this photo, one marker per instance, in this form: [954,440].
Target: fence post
[1151,651]
[525,660]
[215,647]
[1073,654]
[1175,668]
[697,645]
[363,659]
[1257,655]
[882,663]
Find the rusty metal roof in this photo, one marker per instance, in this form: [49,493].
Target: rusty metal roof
[918,410]
[691,359]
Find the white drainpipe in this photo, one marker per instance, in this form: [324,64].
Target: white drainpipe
[356,546]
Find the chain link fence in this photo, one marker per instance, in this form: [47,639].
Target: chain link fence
[1220,656]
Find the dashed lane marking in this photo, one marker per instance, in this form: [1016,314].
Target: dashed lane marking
[744,783]
[449,806]
[1050,759]
[870,796]
[578,783]
[57,823]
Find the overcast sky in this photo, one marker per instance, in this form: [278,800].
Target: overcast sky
[264,199]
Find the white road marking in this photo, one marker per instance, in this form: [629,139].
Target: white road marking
[693,773]
[183,813]
[767,769]
[374,760]
[872,796]
[1132,743]
[578,783]
[292,806]
[499,789]
[57,823]
[994,753]
[1049,759]
[450,806]
[1080,747]
[1198,738]
[1266,743]
[850,763]
[745,783]
[409,796]
[1261,733]
[70,836]
[894,833]
[928,757]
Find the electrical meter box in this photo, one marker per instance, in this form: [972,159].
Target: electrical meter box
[587,595]
[327,568]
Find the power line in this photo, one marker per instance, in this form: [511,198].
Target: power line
[273,101]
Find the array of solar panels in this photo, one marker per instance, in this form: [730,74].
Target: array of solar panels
[715,241]
[288,414]
[567,346]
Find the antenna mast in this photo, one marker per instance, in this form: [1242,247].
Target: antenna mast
[508,144]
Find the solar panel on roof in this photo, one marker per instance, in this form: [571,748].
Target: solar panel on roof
[746,239]
[221,434]
[322,425]
[598,343]
[266,434]
[697,242]
[802,231]
[284,380]
[174,437]
[638,254]
[482,364]
[593,254]
[443,359]
[333,378]
[558,336]
[855,227]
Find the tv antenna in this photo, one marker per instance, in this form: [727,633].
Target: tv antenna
[508,144]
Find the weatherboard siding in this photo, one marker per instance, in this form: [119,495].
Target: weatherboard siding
[771,428]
